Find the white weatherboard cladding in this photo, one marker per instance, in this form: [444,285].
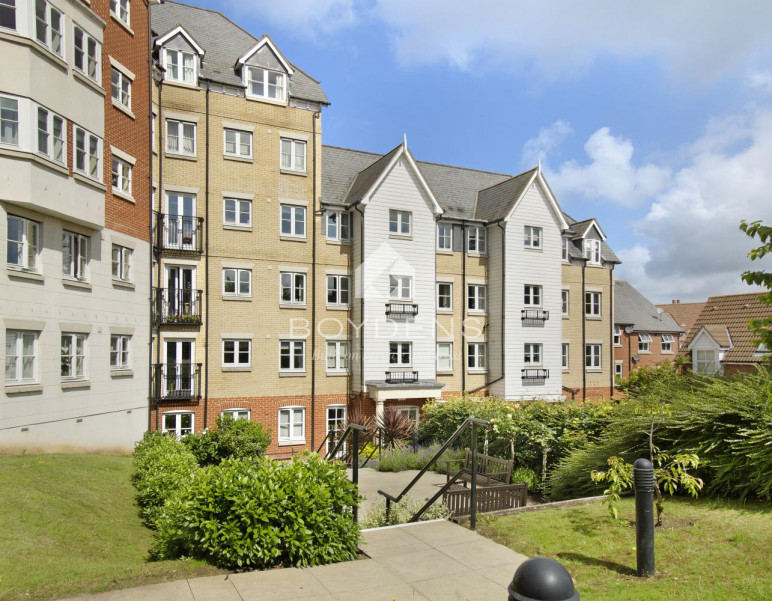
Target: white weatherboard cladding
[494,332]
[413,257]
[538,267]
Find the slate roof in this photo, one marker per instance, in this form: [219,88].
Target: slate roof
[224,43]
[632,308]
[732,313]
[497,201]
[574,226]
[685,315]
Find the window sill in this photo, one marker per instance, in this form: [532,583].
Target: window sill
[472,253]
[70,384]
[292,306]
[237,228]
[89,82]
[564,316]
[238,159]
[338,374]
[23,388]
[124,196]
[122,284]
[444,311]
[292,443]
[617,346]
[292,374]
[640,352]
[265,99]
[121,373]
[478,313]
[16,152]
[235,368]
[593,317]
[24,275]
[245,299]
[180,156]
[122,24]
[124,109]
[667,352]
[400,236]
[336,242]
[531,249]
[593,370]
[565,370]
[293,172]
[76,284]
[339,307]
[444,373]
[88,181]
[476,371]
[287,238]
[442,251]
[49,54]
[180,84]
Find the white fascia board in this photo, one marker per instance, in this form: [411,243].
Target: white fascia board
[700,333]
[266,41]
[596,225]
[181,31]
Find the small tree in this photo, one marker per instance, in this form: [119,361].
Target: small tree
[761,327]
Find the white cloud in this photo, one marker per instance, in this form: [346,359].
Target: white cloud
[308,18]
[761,80]
[548,139]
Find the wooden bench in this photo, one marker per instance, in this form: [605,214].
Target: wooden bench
[489,498]
[491,471]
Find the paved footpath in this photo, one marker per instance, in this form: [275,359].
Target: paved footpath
[429,561]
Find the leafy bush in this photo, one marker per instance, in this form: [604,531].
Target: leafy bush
[527,475]
[399,460]
[161,467]
[256,513]
[401,513]
[231,438]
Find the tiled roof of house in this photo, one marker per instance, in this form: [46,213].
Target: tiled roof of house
[685,315]
[732,313]
[632,308]
[224,43]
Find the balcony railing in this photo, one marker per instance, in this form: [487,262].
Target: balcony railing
[401,377]
[178,232]
[177,307]
[535,374]
[401,309]
[534,315]
[176,381]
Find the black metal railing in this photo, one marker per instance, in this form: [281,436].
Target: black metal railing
[176,381]
[534,315]
[351,434]
[178,232]
[535,374]
[177,307]
[401,377]
[401,309]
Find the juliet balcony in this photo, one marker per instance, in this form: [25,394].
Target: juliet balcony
[534,315]
[401,377]
[535,375]
[176,381]
[178,233]
[175,307]
[401,310]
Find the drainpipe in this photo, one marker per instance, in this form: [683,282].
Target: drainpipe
[362,309]
[313,291]
[584,333]
[629,355]
[159,234]
[206,267]
[611,333]
[150,214]
[464,310]
[503,297]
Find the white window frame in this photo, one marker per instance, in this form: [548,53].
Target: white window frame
[121,263]
[26,246]
[179,431]
[120,88]
[238,143]
[87,54]
[171,65]
[400,287]
[15,342]
[74,341]
[400,223]
[532,295]
[412,413]
[121,175]
[532,353]
[565,302]
[476,356]
[238,212]
[339,290]
[53,39]
[398,350]
[234,346]
[241,276]
[237,413]
[121,10]
[446,355]
[255,77]
[592,250]
[593,354]
[78,265]
[617,336]
[289,156]
[51,138]
[9,8]
[618,369]
[667,343]
[9,120]
[289,215]
[448,296]
[532,237]
[444,237]
[87,159]
[644,342]
[564,355]
[339,359]
[120,351]
[294,285]
[295,349]
[702,359]
[337,226]
[180,137]
[476,298]
[564,250]
[295,416]
[477,241]
[593,303]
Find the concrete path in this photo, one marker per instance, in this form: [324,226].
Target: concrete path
[429,561]
[370,481]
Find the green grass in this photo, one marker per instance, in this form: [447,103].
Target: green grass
[706,550]
[69,525]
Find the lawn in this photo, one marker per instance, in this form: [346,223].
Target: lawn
[69,525]
[706,550]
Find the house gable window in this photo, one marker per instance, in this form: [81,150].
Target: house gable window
[23,243]
[181,66]
[265,83]
[592,251]
[87,55]
[532,236]
[400,222]
[705,362]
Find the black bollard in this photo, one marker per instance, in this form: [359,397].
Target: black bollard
[542,579]
[643,481]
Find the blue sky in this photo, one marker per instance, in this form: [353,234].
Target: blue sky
[655,118]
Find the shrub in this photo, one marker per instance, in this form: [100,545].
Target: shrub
[231,438]
[527,475]
[399,460]
[256,513]
[161,467]
[401,513]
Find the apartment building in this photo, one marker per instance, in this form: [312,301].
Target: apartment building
[74,217]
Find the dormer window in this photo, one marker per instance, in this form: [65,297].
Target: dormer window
[264,83]
[592,251]
[180,66]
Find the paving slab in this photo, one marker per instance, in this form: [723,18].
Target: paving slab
[360,575]
[214,588]
[464,585]
[391,541]
[287,584]
[421,565]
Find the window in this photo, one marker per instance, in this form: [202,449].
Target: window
[564,355]
[236,353]
[399,222]
[49,25]
[292,425]
[23,243]
[400,354]
[338,226]
[531,236]
[292,355]
[180,137]
[565,295]
[531,295]
[237,414]
[180,66]
[88,154]
[337,356]
[592,356]
[120,9]
[475,355]
[75,255]
[237,282]
[338,290]
[293,155]
[237,212]
[592,251]
[644,343]
[87,54]
[476,241]
[444,237]
[412,413]
[617,336]
[119,351]
[264,83]
[444,357]
[73,356]
[238,143]
[667,343]
[8,14]
[293,221]
[121,263]
[532,354]
[120,88]
[9,120]
[293,288]
[705,362]
[475,298]
[121,176]
[444,296]
[618,369]
[20,356]
[51,135]
[400,287]
[592,304]
[564,249]
[179,424]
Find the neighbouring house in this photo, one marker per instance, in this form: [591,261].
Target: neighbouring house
[721,342]
[685,315]
[644,334]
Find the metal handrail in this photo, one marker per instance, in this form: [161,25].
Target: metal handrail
[353,430]
[439,493]
[349,429]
